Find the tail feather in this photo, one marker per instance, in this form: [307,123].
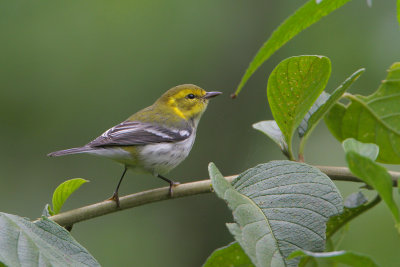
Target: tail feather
[75,150]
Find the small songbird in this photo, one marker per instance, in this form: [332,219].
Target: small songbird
[155,139]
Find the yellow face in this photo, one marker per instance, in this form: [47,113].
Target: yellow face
[187,101]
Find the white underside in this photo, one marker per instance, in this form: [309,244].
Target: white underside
[154,158]
[162,158]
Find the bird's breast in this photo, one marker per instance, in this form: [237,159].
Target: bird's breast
[163,157]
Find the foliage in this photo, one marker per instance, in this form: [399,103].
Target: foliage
[63,192]
[271,129]
[231,255]
[321,106]
[278,207]
[398,10]
[305,16]
[282,210]
[293,87]
[354,206]
[296,104]
[43,243]
[372,119]
[260,195]
[360,158]
[346,257]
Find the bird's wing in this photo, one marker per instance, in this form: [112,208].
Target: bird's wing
[139,133]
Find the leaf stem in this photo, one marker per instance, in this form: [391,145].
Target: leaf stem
[290,150]
[303,141]
[71,217]
[291,155]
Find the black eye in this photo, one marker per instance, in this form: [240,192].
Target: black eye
[190,96]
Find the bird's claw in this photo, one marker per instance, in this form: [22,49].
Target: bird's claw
[115,198]
[172,185]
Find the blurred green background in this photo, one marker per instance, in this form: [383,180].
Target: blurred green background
[72,69]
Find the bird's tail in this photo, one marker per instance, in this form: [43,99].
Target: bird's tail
[75,150]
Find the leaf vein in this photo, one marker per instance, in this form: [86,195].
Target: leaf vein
[301,226]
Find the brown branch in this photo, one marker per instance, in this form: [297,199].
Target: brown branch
[71,217]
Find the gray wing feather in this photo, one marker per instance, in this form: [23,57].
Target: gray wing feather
[139,133]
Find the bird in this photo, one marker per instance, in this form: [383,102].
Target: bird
[155,139]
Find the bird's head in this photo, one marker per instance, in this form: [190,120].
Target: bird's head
[188,101]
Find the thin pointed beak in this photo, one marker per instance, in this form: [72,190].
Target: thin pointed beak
[211,94]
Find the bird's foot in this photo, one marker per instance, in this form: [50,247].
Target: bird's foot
[171,186]
[115,198]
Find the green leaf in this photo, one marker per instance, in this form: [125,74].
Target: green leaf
[373,119]
[308,262]
[63,191]
[370,151]
[374,175]
[350,258]
[398,185]
[45,243]
[271,129]
[308,121]
[304,17]
[333,120]
[398,10]
[322,106]
[353,208]
[293,87]
[230,256]
[278,207]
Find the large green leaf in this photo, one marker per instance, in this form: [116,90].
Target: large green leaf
[322,105]
[347,257]
[293,87]
[373,119]
[63,191]
[45,243]
[333,120]
[230,256]
[374,175]
[271,129]
[278,207]
[305,16]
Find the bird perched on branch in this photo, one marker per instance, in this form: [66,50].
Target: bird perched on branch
[155,139]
